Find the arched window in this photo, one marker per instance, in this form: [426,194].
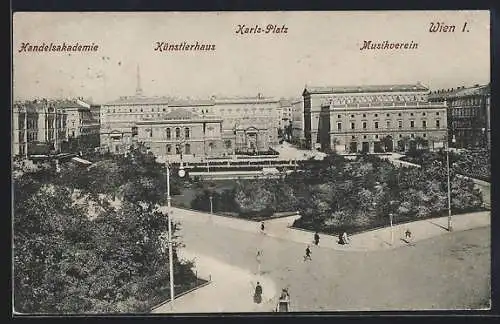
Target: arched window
[177,132]
[169,148]
[187,149]
[211,147]
[177,149]
[168,133]
[186,132]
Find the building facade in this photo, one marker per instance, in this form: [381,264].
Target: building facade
[372,119]
[298,122]
[468,115]
[244,125]
[39,127]
[182,132]
[83,128]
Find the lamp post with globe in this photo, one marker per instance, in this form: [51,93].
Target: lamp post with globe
[181,174]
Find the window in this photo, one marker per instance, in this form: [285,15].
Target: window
[388,124]
[376,124]
[187,148]
[387,115]
[169,134]
[376,136]
[169,147]
[412,123]
[412,135]
[130,109]
[364,115]
[364,125]
[400,135]
[339,126]
[353,137]
[163,109]
[376,115]
[338,116]
[364,136]
[411,114]
[177,149]
[186,132]
[423,114]
[437,123]
[352,116]
[399,114]
[177,133]
[437,113]
[424,124]
[425,135]
[352,125]
[400,124]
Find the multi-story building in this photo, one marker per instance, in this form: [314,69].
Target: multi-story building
[182,132]
[83,128]
[298,122]
[372,118]
[244,124]
[39,127]
[468,114]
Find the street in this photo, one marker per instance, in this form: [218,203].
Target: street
[455,274]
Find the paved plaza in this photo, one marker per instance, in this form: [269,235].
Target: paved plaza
[360,276]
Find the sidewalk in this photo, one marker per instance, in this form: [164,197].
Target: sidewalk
[231,289]
[379,239]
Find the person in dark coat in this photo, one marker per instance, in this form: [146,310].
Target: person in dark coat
[258,293]
[262,227]
[316,238]
[308,254]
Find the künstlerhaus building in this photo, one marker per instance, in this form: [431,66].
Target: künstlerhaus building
[379,118]
[193,128]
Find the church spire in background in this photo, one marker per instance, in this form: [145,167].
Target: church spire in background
[138,90]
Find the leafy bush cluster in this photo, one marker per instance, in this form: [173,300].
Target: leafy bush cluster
[336,195]
[69,261]
[475,164]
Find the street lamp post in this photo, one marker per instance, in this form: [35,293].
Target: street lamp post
[170,241]
[392,231]
[483,131]
[450,227]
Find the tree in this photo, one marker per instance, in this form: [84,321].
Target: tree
[68,262]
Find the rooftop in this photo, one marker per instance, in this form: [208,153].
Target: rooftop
[365,88]
[188,102]
[460,92]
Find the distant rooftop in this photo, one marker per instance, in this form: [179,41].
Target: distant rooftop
[460,92]
[176,102]
[365,88]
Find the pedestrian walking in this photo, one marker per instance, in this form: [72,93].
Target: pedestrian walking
[259,259]
[257,297]
[407,234]
[308,254]
[262,227]
[343,238]
[316,238]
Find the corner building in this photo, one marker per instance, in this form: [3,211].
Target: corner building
[373,119]
[468,115]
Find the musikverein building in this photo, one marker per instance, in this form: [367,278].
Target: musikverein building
[378,118]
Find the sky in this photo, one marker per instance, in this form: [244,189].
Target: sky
[319,49]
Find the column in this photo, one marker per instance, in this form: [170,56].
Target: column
[15,129]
